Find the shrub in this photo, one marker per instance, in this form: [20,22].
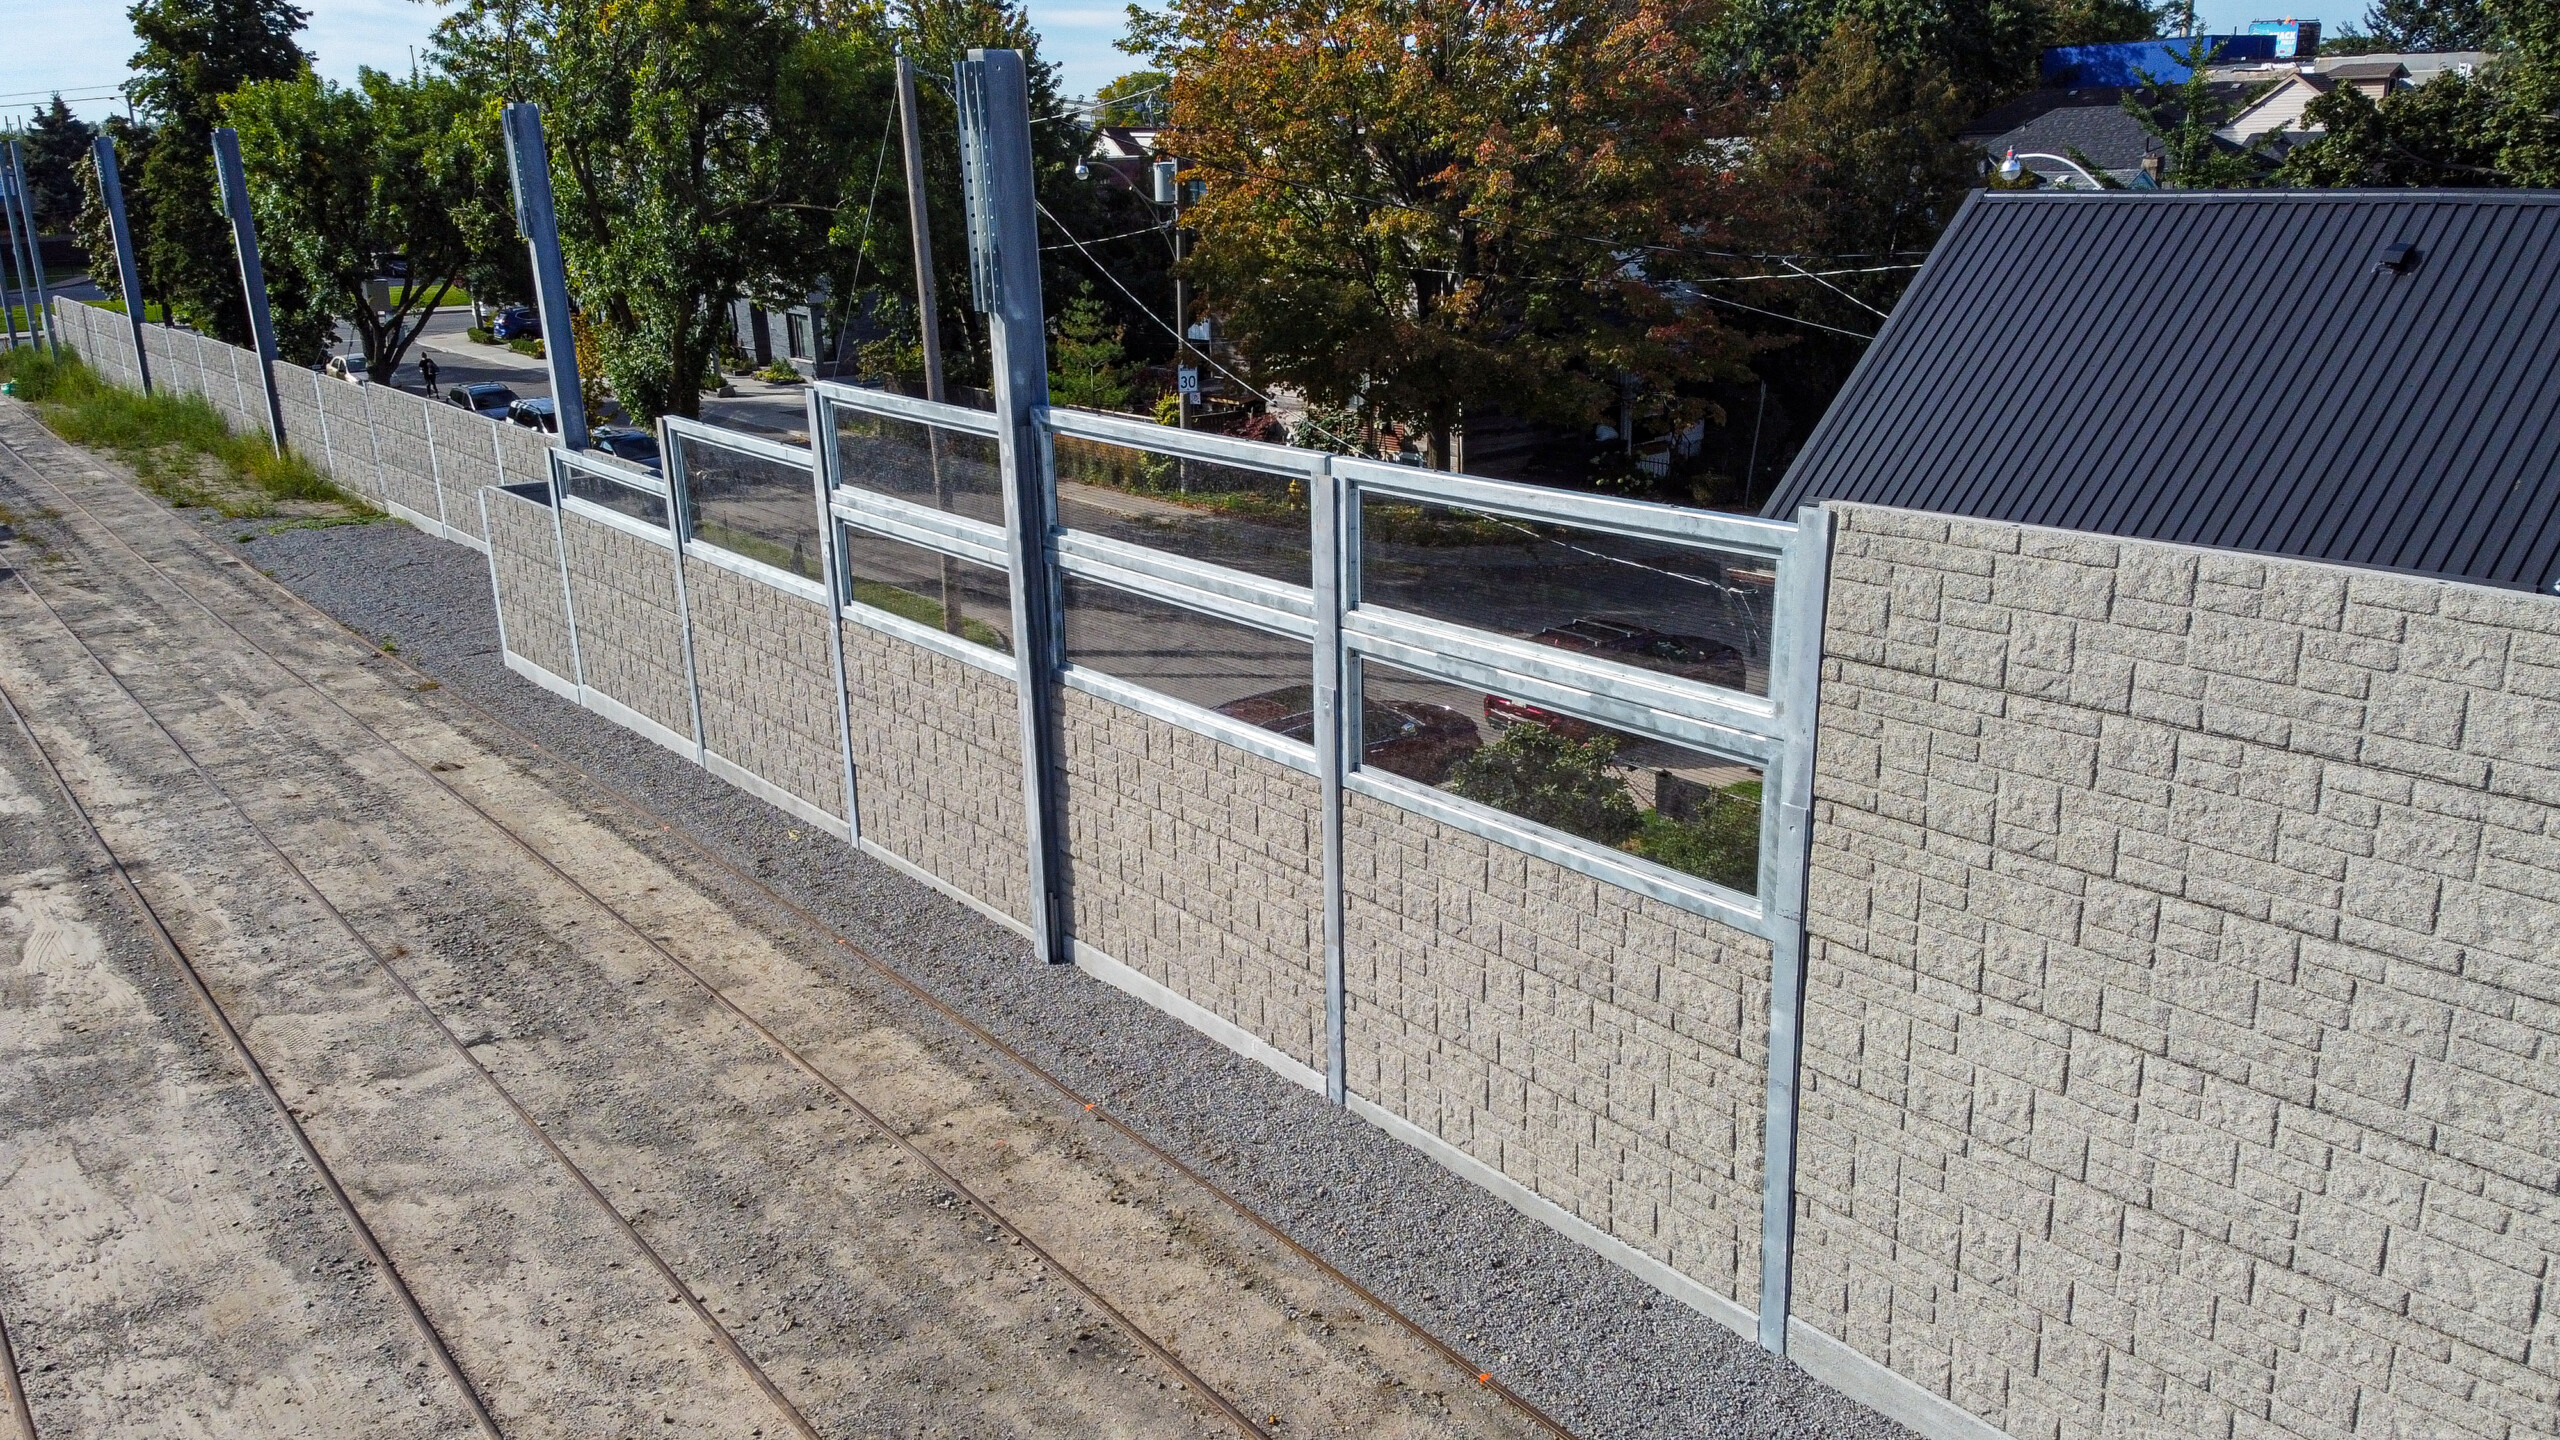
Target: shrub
[1538,774]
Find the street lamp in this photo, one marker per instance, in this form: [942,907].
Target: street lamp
[2010,169]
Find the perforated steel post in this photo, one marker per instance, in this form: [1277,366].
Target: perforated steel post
[1004,284]
[253,275]
[128,272]
[529,162]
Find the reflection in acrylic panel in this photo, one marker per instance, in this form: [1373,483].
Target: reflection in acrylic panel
[1674,609]
[1214,664]
[921,464]
[1250,520]
[940,592]
[1680,808]
[752,506]
[598,489]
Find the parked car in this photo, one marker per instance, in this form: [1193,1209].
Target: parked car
[1412,738]
[347,367]
[485,398]
[1691,657]
[516,322]
[623,442]
[534,413]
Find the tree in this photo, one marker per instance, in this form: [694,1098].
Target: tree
[193,53]
[56,142]
[2184,118]
[93,228]
[2429,24]
[1088,367]
[701,150]
[341,180]
[1987,48]
[1436,206]
[2443,133]
[1542,775]
[1138,99]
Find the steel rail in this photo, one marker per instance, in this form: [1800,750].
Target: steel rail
[1163,1354]
[257,1072]
[915,989]
[382,962]
[9,1375]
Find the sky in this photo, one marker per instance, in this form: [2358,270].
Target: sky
[79,47]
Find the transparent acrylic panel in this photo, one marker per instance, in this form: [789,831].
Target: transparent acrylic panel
[596,489]
[1700,614]
[751,506]
[1249,520]
[1680,808]
[938,591]
[921,464]
[1257,677]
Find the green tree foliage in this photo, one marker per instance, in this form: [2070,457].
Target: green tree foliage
[343,178]
[1540,774]
[194,52]
[2429,24]
[1142,100]
[1719,840]
[1987,48]
[701,150]
[56,141]
[1088,367]
[92,227]
[1445,205]
[2183,118]
[2440,134]
[2501,127]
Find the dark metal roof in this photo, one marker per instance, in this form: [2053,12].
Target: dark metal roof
[2228,369]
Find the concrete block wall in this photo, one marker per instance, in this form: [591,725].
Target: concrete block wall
[631,641]
[937,755]
[353,451]
[524,566]
[765,661]
[466,458]
[1198,865]
[1601,1048]
[399,425]
[2183,1021]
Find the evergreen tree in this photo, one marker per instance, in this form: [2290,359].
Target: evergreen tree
[56,142]
[195,52]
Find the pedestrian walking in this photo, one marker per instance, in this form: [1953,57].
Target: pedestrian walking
[427,372]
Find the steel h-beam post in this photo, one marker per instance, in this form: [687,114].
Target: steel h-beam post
[253,276]
[1330,534]
[1795,685]
[37,315]
[529,161]
[1004,276]
[10,264]
[128,272]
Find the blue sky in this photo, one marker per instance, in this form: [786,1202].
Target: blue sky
[79,47]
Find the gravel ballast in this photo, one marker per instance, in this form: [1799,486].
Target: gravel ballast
[1599,1350]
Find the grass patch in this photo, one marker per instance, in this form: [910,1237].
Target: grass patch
[153,312]
[925,611]
[179,447]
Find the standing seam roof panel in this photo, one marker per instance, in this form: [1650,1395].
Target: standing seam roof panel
[2226,369]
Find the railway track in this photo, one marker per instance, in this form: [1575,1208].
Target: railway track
[308,680]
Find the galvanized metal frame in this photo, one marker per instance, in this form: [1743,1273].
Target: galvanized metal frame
[672,428]
[1804,576]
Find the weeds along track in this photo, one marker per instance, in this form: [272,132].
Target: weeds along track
[308,849]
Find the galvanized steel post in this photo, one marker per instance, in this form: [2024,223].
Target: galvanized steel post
[1332,730]
[529,162]
[10,265]
[253,276]
[1795,650]
[37,314]
[1004,275]
[128,271]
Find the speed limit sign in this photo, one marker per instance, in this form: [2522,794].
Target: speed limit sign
[1187,380]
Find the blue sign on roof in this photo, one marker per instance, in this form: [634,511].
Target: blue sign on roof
[2155,62]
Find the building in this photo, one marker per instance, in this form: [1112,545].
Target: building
[2276,118]
[2103,363]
